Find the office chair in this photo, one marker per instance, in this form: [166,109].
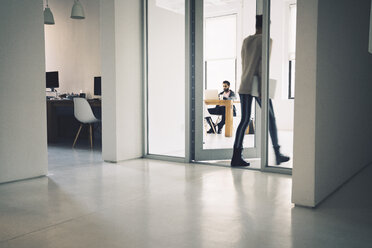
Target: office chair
[84,114]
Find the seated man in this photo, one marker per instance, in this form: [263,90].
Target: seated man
[227,94]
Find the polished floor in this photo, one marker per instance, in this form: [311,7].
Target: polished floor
[85,202]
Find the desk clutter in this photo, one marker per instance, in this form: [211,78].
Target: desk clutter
[65,96]
[52,82]
[61,122]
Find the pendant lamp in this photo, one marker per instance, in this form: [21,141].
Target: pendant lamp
[48,15]
[77,11]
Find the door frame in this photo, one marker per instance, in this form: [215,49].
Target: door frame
[196,39]
[193,70]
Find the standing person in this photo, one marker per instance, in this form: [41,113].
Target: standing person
[226,94]
[251,66]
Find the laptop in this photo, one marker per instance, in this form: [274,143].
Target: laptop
[211,94]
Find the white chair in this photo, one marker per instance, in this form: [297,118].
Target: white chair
[84,114]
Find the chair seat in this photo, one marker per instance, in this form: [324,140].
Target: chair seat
[90,121]
[84,114]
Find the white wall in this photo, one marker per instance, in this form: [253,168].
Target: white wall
[122,93]
[23,147]
[344,86]
[303,174]
[335,36]
[73,46]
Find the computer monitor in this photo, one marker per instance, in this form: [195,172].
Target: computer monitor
[97,86]
[52,80]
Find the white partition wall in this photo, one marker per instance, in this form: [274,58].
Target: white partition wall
[122,93]
[23,141]
[304,119]
[333,135]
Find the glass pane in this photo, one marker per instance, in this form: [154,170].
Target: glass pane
[220,37]
[292,30]
[281,108]
[166,78]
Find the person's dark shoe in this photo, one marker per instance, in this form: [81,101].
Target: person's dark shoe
[280,158]
[237,159]
[219,130]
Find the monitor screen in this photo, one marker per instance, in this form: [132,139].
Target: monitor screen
[52,79]
[97,86]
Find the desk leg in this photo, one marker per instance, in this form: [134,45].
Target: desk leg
[229,120]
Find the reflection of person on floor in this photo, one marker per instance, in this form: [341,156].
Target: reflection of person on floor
[226,94]
[251,66]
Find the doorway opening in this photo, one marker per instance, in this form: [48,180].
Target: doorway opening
[224,26]
[73,69]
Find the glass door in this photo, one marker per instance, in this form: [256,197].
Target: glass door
[220,27]
[193,66]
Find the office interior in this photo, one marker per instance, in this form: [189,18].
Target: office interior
[331,164]
[73,69]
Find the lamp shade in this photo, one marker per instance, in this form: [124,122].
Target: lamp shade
[48,16]
[77,11]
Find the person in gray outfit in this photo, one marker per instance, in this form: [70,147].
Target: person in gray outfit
[251,66]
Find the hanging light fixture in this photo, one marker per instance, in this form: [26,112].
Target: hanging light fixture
[77,11]
[48,15]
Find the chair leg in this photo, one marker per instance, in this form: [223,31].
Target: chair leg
[77,135]
[218,119]
[90,135]
[212,125]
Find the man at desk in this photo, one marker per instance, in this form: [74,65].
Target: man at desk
[226,94]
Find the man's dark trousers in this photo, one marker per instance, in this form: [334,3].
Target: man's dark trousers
[219,110]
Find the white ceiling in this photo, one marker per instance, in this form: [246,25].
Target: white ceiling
[178,6]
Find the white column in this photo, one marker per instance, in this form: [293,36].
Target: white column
[23,140]
[122,91]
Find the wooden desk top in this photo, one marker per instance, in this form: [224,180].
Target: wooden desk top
[220,102]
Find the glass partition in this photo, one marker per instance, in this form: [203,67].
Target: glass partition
[166,77]
[282,82]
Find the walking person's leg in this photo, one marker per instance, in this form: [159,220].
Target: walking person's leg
[245,103]
[280,158]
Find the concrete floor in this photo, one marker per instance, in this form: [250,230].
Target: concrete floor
[85,202]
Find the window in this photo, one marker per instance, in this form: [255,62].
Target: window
[220,51]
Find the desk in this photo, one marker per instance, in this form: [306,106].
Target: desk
[228,113]
[68,125]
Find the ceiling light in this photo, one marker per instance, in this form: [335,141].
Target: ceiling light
[77,11]
[48,15]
